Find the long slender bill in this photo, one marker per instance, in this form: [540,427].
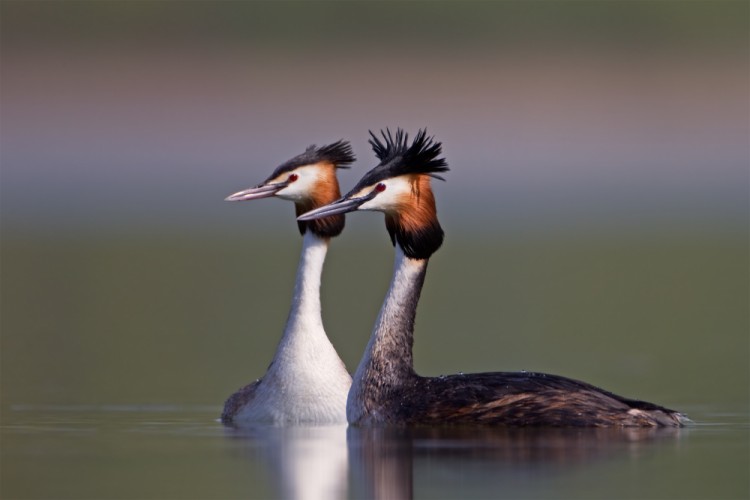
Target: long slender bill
[337,207]
[256,193]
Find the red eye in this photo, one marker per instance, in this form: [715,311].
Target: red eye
[380,188]
[293,177]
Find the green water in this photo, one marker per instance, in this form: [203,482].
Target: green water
[118,351]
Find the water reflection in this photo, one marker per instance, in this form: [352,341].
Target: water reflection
[304,462]
[392,463]
[184,452]
[387,462]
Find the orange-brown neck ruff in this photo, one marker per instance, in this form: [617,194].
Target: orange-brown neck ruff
[414,224]
[326,191]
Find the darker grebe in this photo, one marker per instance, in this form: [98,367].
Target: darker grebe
[386,390]
[306,381]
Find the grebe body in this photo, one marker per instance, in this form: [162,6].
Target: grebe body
[306,382]
[386,389]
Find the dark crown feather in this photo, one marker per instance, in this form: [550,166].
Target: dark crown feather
[419,158]
[339,153]
[397,157]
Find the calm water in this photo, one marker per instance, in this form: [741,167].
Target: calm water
[172,452]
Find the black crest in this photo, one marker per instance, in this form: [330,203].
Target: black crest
[397,157]
[339,153]
[419,158]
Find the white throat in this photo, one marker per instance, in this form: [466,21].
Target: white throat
[307,381]
[305,313]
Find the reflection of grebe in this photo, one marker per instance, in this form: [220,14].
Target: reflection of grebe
[306,381]
[305,462]
[461,461]
[386,389]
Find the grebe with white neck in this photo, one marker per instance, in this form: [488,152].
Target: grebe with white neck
[306,382]
[386,389]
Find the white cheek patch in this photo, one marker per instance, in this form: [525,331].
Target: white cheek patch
[396,189]
[370,205]
[307,177]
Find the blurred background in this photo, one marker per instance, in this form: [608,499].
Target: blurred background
[596,211]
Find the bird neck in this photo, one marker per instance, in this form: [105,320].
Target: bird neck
[305,313]
[388,358]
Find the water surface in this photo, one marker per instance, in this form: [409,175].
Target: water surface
[183,452]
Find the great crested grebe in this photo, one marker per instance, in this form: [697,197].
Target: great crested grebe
[386,390]
[306,382]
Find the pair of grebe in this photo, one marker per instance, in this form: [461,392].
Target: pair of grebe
[307,381]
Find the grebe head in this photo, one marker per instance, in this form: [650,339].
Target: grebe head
[309,180]
[399,186]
